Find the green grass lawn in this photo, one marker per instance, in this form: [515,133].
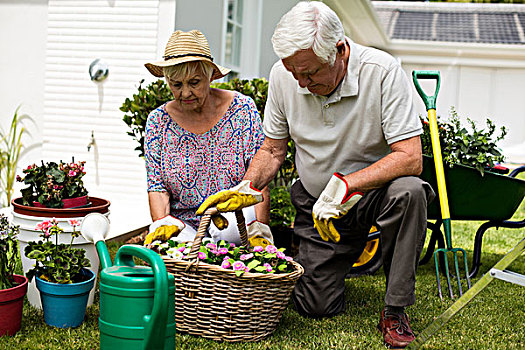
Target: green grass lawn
[493,320]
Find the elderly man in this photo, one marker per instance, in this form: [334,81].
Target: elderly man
[348,109]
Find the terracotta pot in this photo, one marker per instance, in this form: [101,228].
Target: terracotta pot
[76,202]
[98,205]
[11,305]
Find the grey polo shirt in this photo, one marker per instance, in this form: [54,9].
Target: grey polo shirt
[353,128]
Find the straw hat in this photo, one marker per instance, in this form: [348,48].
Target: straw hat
[186,47]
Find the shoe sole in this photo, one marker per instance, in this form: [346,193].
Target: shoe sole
[388,346]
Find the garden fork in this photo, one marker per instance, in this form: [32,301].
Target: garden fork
[430,104]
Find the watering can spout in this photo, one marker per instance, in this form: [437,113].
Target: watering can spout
[94,229]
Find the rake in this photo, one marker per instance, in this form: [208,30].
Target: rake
[430,104]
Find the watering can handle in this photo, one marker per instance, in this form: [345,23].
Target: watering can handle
[155,324]
[430,101]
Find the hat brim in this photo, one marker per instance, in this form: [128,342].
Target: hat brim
[156,68]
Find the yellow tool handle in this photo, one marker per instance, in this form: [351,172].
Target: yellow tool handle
[438,163]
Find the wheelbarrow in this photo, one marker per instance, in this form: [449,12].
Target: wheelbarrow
[493,198]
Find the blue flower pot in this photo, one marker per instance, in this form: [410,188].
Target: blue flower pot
[65,304]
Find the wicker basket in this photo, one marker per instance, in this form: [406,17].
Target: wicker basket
[214,303]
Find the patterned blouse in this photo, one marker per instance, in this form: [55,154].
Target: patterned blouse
[191,167]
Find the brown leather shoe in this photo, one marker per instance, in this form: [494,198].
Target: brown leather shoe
[396,330]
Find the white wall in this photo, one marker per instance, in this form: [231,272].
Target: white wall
[480,93]
[23,42]
[45,60]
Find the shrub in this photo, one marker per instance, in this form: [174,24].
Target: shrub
[140,105]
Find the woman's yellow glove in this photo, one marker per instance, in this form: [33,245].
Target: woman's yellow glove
[259,234]
[163,229]
[238,197]
[162,233]
[220,221]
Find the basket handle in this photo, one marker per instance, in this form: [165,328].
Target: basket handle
[205,222]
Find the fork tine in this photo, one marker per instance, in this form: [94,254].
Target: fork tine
[437,274]
[458,275]
[462,251]
[449,283]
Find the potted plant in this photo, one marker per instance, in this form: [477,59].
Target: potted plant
[54,185]
[50,186]
[476,148]
[61,275]
[13,287]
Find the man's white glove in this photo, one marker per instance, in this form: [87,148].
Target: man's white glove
[259,234]
[163,229]
[333,203]
[238,197]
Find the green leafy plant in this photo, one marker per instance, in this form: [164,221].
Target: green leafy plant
[52,182]
[230,257]
[8,252]
[56,263]
[282,211]
[138,107]
[11,147]
[256,88]
[468,146]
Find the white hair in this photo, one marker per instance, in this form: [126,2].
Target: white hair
[309,25]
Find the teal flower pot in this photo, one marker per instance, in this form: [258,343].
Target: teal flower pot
[65,304]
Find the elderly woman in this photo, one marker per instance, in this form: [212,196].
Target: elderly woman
[200,142]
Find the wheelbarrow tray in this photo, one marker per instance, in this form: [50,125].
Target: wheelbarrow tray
[472,196]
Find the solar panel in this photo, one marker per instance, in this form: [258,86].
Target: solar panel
[521,19]
[498,28]
[490,27]
[413,25]
[456,26]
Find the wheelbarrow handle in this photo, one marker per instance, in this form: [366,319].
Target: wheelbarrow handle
[430,101]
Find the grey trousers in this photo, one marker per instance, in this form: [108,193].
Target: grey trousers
[399,210]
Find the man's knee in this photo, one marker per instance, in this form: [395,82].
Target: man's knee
[317,300]
[411,189]
[316,308]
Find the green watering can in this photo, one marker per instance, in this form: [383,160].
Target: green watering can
[137,303]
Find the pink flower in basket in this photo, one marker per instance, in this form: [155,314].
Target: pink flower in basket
[280,255]
[238,266]
[246,256]
[201,255]
[211,246]
[226,264]
[258,249]
[222,251]
[268,267]
[271,249]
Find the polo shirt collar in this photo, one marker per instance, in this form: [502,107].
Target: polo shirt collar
[350,84]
